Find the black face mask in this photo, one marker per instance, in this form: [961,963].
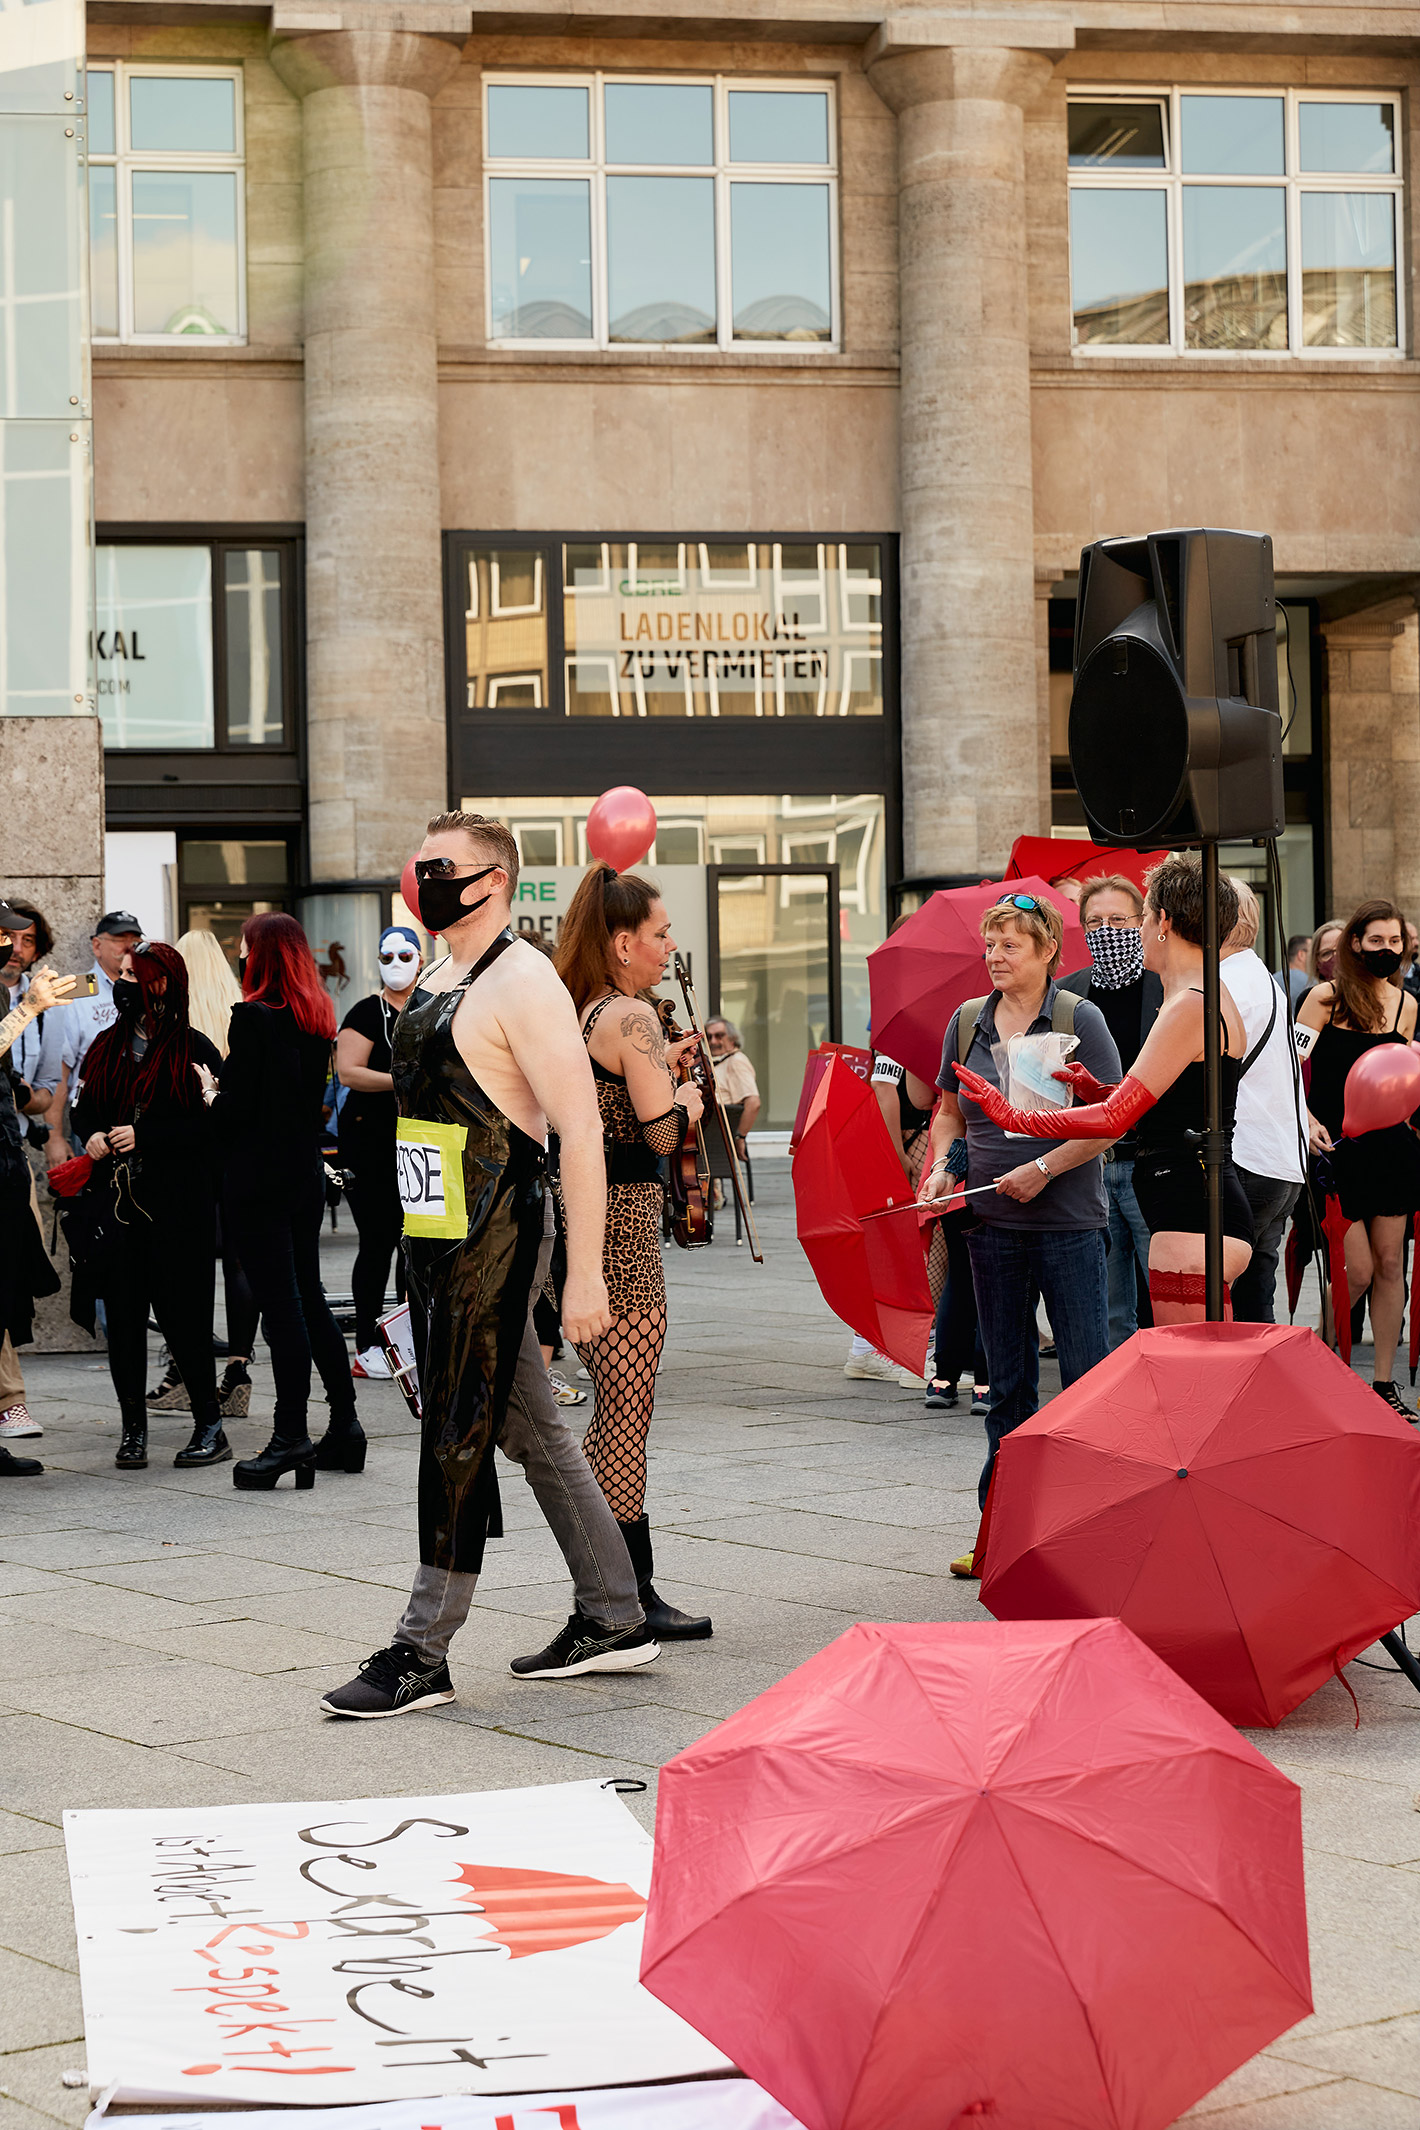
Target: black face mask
[441,902]
[1378,961]
[127,997]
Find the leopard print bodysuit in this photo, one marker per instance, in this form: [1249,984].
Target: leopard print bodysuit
[623,1362]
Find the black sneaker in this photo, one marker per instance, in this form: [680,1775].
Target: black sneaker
[585,1645]
[13,1467]
[940,1397]
[1389,1395]
[391,1683]
[980,1401]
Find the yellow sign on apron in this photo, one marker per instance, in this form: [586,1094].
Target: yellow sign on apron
[429,1168]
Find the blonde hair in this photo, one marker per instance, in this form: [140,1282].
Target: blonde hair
[1245,931]
[212,988]
[1114,884]
[1044,924]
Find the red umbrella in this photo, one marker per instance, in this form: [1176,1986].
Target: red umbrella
[1065,858]
[948,1872]
[931,964]
[1233,1493]
[1333,1227]
[814,1066]
[870,1272]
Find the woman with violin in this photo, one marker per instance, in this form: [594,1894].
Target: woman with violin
[615,946]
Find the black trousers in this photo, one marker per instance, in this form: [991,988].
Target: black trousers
[279,1249]
[172,1271]
[958,1338]
[379,1223]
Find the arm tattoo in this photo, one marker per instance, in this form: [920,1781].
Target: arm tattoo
[19,1017]
[643,1032]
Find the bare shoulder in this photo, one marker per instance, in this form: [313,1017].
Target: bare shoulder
[1315,1010]
[639,1029]
[1407,1015]
[523,981]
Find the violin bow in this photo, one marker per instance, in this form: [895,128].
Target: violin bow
[737,1183]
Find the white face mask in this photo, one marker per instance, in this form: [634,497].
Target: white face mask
[399,967]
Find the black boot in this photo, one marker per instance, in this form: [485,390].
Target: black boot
[208,1445]
[343,1445]
[263,1471]
[664,1621]
[133,1449]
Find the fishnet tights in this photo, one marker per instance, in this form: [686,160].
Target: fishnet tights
[623,1362]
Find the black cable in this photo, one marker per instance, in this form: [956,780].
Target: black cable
[1291,690]
[1274,882]
[1394,1669]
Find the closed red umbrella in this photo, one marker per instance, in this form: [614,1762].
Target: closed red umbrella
[1232,1493]
[948,1872]
[872,1273]
[1074,858]
[936,960]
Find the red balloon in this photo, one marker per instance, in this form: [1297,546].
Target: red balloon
[409,889]
[1382,1088]
[621,827]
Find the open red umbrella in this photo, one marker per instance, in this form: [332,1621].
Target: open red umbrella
[1232,1493]
[949,1872]
[814,1067]
[871,1272]
[1070,858]
[920,976]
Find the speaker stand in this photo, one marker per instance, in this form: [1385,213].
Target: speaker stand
[1215,1145]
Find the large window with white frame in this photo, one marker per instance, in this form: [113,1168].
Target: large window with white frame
[166,206]
[647,211]
[1228,221]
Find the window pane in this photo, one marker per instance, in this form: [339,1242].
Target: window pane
[101,132]
[103,249]
[1234,267]
[1232,136]
[185,251]
[651,122]
[540,249]
[182,114]
[153,644]
[778,126]
[1348,270]
[1119,275]
[661,258]
[779,262]
[41,272]
[255,696]
[1349,137]
[1124,136]
[537,122]
[234,863]
[505,628]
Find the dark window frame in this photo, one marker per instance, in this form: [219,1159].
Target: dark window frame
[828,872]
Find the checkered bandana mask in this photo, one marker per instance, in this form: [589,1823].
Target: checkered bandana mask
[1117,952]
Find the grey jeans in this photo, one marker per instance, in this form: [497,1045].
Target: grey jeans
[1254,1290]
[535,1435]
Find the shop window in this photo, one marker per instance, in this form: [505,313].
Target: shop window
[1234,222]
[166,203]
[659,213]
[505,628]
[223,880]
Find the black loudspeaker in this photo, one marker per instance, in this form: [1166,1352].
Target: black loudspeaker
[1175,736]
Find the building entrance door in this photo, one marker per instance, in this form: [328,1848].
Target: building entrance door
[776,971]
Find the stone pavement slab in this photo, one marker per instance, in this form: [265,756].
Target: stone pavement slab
[166,1640]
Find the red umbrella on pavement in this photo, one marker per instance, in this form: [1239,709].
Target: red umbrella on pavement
[948,1872]
[872,1273]
[931,964]
[1232,1493]
[1069,858]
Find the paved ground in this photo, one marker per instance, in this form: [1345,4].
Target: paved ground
[164,1639]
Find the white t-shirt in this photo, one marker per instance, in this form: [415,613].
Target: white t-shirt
[1270,1106]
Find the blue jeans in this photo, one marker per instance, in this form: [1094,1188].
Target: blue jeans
[1128,1237]
[1067,1265]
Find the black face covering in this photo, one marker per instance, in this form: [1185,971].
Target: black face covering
[441,901]
[1378,961]
[127,997]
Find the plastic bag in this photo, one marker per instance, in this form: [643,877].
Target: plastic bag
[1032,1061]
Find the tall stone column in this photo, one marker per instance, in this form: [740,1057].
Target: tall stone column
[1373,765]
[972,743]
[374,607]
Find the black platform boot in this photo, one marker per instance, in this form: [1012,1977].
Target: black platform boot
[665,1622]
[208,1444]
[343,1445]
[262,1472]
[133,1449]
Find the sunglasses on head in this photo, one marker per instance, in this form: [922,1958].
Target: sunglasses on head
[1017,902]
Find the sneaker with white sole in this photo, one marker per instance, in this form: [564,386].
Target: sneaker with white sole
[372,1362]
[585,1645]
[393,1682]
[871,1368]
[15,1421]
[563,1392]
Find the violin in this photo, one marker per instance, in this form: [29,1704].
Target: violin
[692,1217]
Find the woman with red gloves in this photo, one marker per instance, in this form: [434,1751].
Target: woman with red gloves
[1163,1100]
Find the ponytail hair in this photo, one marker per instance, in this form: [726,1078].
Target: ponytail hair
[607,902]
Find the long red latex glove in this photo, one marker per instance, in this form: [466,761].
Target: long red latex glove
[1084,1083]
[1099,1120]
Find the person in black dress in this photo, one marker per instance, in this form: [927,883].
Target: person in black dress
[363,1055]
[269,1123]
[138,1110]
[1376,1176]
[1163,1100]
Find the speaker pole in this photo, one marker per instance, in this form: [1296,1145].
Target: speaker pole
[1214,1144]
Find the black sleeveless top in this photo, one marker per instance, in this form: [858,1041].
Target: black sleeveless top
[628,1157]
[1333,1054]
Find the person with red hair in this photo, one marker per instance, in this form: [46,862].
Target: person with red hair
[138,1110]
[269,1121]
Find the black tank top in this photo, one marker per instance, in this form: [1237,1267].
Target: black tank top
[1183,1108]
[1335,1052]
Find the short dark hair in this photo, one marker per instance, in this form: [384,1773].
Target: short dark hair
[1175,890]
[1299,942]
[44,938]
[491,834]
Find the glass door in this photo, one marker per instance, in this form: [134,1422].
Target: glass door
[775,971]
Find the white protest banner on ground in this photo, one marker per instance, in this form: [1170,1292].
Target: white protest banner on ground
[702,2104]
[374,1949]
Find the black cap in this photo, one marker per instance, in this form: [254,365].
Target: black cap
[12,920]
[118,921]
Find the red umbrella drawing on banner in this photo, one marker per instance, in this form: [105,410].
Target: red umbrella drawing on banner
[547,1911]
